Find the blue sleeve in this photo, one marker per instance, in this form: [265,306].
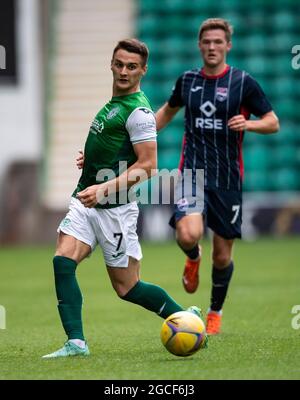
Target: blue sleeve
[176,97]
[254,98]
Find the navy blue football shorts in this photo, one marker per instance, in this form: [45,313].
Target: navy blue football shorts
[222,212]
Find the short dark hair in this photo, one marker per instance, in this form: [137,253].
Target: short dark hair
[133,46]
[216,23]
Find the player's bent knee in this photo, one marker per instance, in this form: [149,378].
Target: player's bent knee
[221,261]
[187,236]
[121,292]
[120,289]
[188,239]
[123,288]
[66,254]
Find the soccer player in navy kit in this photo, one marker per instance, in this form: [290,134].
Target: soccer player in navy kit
[218,101]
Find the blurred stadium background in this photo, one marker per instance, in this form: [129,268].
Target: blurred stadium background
[57,75]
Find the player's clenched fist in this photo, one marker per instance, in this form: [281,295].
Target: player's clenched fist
[238,123]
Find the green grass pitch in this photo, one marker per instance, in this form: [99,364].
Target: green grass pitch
[258,341]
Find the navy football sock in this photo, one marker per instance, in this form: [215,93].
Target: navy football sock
[220,283]
[193,253]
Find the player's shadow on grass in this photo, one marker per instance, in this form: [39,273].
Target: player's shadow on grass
[179,359]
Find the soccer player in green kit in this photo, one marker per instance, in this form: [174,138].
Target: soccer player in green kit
[123,131]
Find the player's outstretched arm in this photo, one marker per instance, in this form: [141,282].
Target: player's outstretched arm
[268,123]
[164,115]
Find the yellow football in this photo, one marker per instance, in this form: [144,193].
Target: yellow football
[183,333]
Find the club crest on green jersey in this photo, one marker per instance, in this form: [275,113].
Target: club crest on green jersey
[113,112]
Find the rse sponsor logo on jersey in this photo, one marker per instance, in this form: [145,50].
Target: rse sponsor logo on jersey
[97,127]
[209,123]
[208,110]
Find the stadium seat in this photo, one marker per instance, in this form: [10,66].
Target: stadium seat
[256,181]
[250,139]
[169,24]
[289,133]
[285,155]
[150,6]
[283,41]
[256,65]
[255,20]
[285,86]
[273,140]
[285,179]
[170,138]
[254,44]
[147,23]
[239,22]
[192,28]
[257,158]
[158,91]
[281,64]
[283,18]
[169,159]
[287,109]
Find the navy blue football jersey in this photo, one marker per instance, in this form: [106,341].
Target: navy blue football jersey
[209,103]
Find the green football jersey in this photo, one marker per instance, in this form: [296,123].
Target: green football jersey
[121,123]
